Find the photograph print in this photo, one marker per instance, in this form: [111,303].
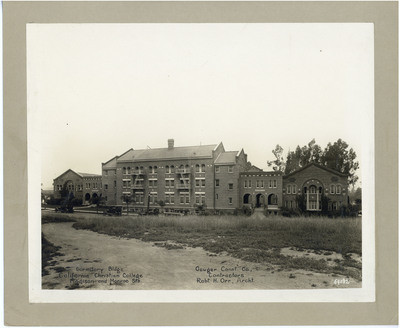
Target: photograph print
[201,157]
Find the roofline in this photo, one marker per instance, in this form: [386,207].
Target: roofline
[161,159]
[319,166]
[261,172]
[117,156]
[66,172]
[216,146]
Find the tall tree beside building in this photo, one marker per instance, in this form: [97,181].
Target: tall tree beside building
[278,164]
[336,156]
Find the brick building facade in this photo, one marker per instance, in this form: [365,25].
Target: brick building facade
[184,178]
[84,186]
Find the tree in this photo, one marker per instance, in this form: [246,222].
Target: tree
[338,157]
[127,199]
[278,164]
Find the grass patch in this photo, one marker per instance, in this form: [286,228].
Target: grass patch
[53,217]
[251,239]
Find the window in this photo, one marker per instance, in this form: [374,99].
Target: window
[334,206]
[169,198]
[217,182]
[203,182]
[153,198]
[216,196]
[230,200]
[106,173]
[289,189]
[115,184]
[152,183]
[249,183]
[129,170]
[270,183]
[245,183]
[332,189]
[106,186]
[197,168]
[262,183]
[274,183]
[257,184]
[230,168]
[197,183]
[217,169]
[338,189]
[167,169]
[124,170]
[313,190]
[169,183]
[203,168]
[230,186]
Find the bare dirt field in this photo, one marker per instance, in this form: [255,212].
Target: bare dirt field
[89,260]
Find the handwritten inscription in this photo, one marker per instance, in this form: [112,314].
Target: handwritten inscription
[111,275]
[225,274]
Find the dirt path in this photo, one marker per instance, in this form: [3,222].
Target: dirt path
[96,261]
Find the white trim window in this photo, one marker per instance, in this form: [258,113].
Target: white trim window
[332,189]
[230,200]
[230,169]
[338,189]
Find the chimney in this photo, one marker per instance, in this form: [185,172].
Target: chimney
[170,143]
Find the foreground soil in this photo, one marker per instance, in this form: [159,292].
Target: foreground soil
[88,260]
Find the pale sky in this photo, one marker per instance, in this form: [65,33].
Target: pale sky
[96,90]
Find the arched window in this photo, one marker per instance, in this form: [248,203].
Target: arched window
[313,190]
[338,189]
[167,170]
[197,168]
[124,170]
[129,170]
[171,170]
[305,190]
[320,190]
[203,168]
[332,189]
[289,189]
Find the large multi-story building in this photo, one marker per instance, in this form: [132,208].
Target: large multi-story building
[180,177]
[183,178]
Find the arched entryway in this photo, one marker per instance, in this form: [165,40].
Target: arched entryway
[272,199]
[247,199]
[260,201]
[87,197]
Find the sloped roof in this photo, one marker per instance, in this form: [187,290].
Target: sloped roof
[254,168]
[112,163]
[82,175]
[228,157]
[319,166]
[86,175]
[165,153]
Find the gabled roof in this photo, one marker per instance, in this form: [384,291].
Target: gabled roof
[254,168]
[205,151]
[319,166]
[228,157]
[112,163]
[69,170]
[81,175]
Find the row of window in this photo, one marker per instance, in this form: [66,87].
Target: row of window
[71,187]
[260,183]
[184,198]
[218,169]
[199,168]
